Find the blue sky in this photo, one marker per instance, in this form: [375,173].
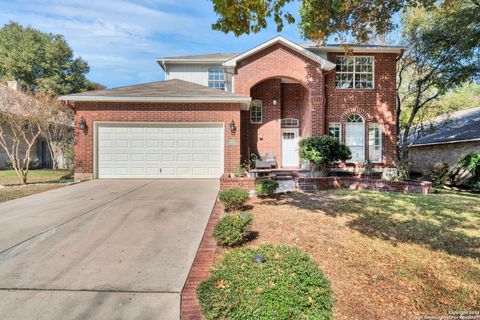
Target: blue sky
[120,39]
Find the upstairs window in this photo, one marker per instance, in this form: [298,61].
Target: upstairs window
[354,73]
[335,130]
[216,78]
[256,111]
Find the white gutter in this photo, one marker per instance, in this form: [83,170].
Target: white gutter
[444,142]
[244,101]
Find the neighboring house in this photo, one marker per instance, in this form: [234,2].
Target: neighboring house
[214,110]
[450,138]
[39,154]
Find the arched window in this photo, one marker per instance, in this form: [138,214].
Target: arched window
[354,118]
[355,137]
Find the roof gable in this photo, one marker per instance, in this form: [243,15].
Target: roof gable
[324,63]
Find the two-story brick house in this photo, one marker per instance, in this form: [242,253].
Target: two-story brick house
[213,110]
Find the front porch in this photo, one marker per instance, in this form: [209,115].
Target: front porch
[280,116]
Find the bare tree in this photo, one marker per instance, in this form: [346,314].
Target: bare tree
[58,130]
[21,121]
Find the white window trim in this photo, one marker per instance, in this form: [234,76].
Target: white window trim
[261,111]
[339,124]
[380,142]
[224,81]
[365,143]
[353,88]
[290,125]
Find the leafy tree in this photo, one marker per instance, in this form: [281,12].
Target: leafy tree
[471,163]
[40,61]
[22,118]
[323,151]
[319,19]
[443,53]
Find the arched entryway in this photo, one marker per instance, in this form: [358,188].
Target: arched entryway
[279,116]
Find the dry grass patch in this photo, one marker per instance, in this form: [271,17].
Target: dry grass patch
[19,192]
[388,256]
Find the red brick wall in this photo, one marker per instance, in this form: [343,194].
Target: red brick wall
[292,100]
[152,112]
[265,137]
[279,61]
[322,102]
[376,105]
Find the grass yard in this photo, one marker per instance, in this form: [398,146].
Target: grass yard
[39,181]
[9,177]
[387,255]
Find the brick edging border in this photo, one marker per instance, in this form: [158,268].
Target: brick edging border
[200,270]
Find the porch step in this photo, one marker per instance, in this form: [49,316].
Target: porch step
[285,186]
[283,177]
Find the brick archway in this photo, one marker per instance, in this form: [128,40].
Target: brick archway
[279,61]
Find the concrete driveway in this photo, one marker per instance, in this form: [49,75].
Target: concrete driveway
[104,249]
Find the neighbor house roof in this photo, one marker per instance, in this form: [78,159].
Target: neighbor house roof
[324,63]
[174,91]
[460,126]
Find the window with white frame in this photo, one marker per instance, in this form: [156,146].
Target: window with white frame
[335,130]
[355,137]
[354,72]
[216,78]
[289,122]
[375,142]
[256,111]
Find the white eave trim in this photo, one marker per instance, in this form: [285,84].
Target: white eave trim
[444,142]
[164,62]
[355,49]
[244,101]
[325,64]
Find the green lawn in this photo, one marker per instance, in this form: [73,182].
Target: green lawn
[9,177]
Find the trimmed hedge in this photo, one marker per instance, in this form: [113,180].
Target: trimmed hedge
[232,230]
[287,285]
[233,199]
[266,187]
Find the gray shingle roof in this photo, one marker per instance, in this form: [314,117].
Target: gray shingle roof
[459,126]
[167,89]
[210,56]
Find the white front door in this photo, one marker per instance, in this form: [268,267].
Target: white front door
[289,148]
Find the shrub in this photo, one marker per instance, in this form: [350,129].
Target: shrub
[471,163]
[266,187]
[232,230]
[439,173]
[287,285]
[233,199]
[323,151]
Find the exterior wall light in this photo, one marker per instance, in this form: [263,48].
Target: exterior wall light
[82,125]
[233,127]
[274,100]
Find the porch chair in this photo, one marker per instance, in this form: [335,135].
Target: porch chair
[266,161]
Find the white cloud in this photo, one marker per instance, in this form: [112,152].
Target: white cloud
[120,39]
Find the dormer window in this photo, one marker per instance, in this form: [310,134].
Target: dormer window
[216,78]
[354,72]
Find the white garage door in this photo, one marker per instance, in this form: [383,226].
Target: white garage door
[160,150]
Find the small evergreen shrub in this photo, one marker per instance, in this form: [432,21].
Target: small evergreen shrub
[232,230]
[323,151]
[286,285]
[266,187]
[233,199]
